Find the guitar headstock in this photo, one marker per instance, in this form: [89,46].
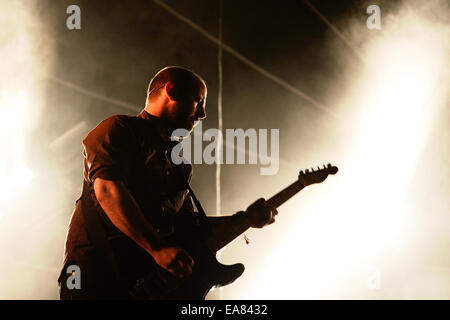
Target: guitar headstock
[318,175]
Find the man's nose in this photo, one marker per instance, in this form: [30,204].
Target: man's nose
[201,113]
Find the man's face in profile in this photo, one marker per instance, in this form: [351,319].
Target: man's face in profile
[190,106]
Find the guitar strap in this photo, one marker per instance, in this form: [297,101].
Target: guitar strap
[199,207]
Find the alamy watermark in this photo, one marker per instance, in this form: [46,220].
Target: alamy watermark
[234,145]
[374,20]
[74,280]
[73,22]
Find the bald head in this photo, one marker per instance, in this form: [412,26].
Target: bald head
[182,80]
[177,95]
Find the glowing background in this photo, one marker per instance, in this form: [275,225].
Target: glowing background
[367,219]
[378,229]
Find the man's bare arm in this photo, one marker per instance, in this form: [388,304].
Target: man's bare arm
[226,228]
[123,211]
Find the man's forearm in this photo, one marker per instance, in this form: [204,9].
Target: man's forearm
[123,211]
[225,229]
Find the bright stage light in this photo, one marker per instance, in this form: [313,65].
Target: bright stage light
[24,55]
[363,219]
[19,103]
[13,126]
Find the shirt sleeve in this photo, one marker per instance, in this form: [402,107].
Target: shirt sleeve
[108,150]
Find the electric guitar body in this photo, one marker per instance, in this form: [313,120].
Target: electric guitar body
[208,272]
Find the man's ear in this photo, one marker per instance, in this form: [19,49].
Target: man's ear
[172,91]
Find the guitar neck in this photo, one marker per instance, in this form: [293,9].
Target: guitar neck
[305,178]
[285,194]
[236,228]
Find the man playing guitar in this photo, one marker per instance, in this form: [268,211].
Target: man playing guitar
[136,194]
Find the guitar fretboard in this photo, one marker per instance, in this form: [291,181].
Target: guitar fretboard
[285,194]
[305,179]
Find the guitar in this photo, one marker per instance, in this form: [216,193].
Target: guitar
[208,272]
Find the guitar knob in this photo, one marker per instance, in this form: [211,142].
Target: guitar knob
[318,168]
[324,167]
[301,172]
[307,171]
[329,165]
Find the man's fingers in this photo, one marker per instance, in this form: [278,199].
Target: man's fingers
[272,212]
[261,202]
[178,270]
[272,218]
[260,213]
[186,266]
[186,259]
[182,265]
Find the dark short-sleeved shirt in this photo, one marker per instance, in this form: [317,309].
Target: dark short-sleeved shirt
[135,150]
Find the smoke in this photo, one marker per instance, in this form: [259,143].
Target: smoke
[357,235]
[366,233]
[24,56]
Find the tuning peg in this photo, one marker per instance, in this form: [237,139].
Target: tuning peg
[324,167]
[307,171]
[301,172]
[329,165]
[318,168]
[312,169]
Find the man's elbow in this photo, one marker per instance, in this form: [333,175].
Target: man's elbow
[105,189]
